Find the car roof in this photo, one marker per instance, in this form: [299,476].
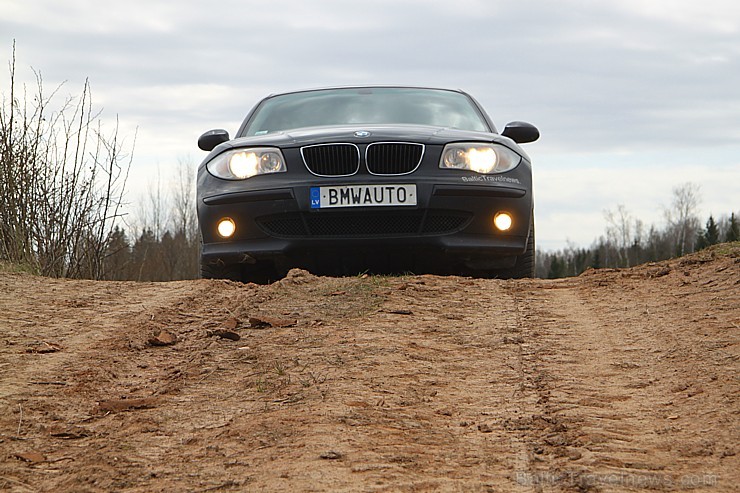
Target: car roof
[374,86]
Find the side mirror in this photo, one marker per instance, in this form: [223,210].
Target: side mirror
[521,132]
[212,138]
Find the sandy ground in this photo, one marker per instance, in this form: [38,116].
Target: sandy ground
[618,380]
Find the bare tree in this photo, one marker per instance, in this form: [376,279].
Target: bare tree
[154,210]
[622,233]
[183,200]
[682,217]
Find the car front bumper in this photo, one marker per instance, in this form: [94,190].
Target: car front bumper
[452,219]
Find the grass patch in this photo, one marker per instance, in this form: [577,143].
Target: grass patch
[731,249]
[333,298]
[8,268]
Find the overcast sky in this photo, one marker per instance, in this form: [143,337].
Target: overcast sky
[632,97]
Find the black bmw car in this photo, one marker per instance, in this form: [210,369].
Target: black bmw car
[353,179]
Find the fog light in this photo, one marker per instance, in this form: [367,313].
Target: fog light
[502,221]
[226,227]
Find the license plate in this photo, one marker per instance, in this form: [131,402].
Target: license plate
[363,196]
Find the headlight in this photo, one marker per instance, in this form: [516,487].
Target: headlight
[478,157]
[241,164]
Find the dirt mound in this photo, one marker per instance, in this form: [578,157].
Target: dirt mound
[617,380]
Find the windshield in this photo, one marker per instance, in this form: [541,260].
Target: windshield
[366,106]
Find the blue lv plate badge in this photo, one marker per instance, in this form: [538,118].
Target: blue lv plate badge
[315,197]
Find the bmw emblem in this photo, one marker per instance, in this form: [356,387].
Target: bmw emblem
[362,133]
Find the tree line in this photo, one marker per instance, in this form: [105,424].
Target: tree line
[627,242]
[162,243]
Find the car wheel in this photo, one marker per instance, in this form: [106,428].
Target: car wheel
[524,266]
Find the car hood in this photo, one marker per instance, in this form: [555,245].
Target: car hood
[404,133]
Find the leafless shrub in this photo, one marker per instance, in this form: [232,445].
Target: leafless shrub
[61,181]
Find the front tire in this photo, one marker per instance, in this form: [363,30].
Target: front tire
[525,264]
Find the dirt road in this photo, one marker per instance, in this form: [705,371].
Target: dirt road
[618,380]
